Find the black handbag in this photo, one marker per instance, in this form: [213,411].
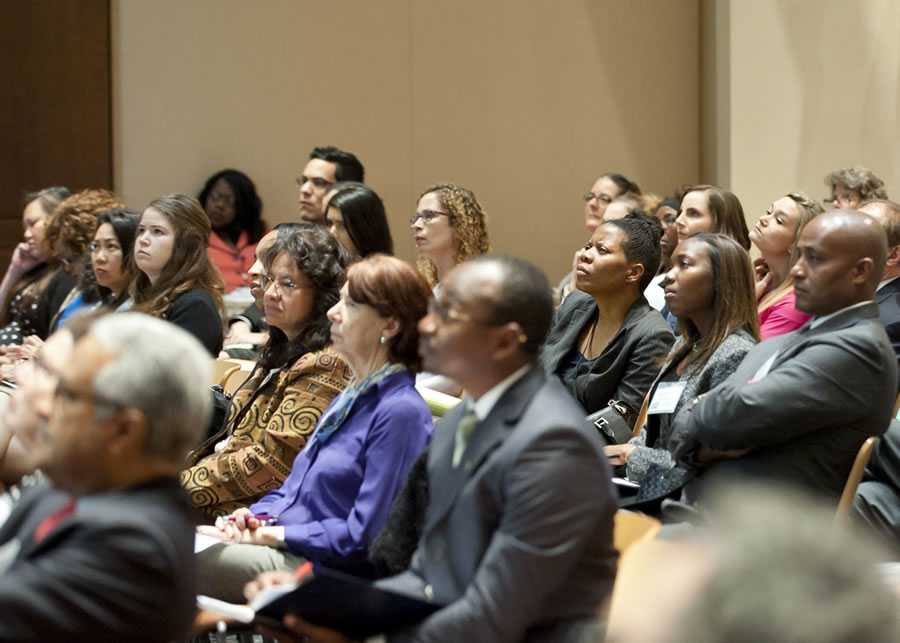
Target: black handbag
[610,422]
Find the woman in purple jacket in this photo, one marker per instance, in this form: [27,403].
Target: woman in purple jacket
[339,491]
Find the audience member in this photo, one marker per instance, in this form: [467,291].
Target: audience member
[665,212]
[326,166]
[800,405]
[250,327]
[177,281]
[235,214]
[887,296]
[877,502]
[511,547]
[449,227]
[297,375]
[775,236]
[621,207]
[607,343]
[355,215]
[112,254]
[606,189]
[707,208]
[341,486]
[70,230]
[106,553]
[851,186]
[710,289]
[33,287]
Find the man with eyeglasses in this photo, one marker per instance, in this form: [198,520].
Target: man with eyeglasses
[105,552]
[517,537]
[326,166]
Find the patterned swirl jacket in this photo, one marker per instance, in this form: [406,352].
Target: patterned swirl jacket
[270,419]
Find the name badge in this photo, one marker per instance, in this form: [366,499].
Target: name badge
[665,397]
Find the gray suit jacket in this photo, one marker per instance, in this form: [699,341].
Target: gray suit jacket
[120,568]
[517,540]
[828,389]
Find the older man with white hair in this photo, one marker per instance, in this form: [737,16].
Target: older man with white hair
[105,553]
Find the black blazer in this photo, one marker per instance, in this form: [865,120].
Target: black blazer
[888,300]
[196,312]
[626,368]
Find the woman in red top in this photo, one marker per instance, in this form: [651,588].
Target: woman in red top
[235,213]
[775,236]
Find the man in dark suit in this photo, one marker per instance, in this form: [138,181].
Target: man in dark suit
[887,213]
[517,542]
[800,405]
[105,553]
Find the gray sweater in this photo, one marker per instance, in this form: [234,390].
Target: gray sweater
[698,379]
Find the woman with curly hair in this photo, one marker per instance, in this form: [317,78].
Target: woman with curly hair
[297,375]
[448,227]
[33,286]
[177,281]
[853,186]
[235,213]
[70,232]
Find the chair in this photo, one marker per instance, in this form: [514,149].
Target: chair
[631,527]
[856,474]
[222,370]
[236,377]
[439,403]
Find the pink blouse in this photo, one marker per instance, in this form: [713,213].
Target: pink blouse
[781,317]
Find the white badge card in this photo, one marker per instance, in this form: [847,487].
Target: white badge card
[665,397]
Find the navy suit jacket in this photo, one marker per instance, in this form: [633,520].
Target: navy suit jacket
[888,300]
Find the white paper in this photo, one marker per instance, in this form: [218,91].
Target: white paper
[239,613]
[665,397]
[202,541]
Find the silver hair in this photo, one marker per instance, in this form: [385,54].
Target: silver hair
[161,370]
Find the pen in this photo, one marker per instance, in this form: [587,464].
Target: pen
[265,520]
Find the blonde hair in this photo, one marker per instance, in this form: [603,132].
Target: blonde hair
[468,221]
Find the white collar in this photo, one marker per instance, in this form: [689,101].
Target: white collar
[484,404]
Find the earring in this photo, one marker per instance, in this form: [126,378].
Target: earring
[382,340]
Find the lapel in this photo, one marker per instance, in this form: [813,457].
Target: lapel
[445,480]
[844,319]
[583,311]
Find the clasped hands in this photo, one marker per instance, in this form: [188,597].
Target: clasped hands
[245,528]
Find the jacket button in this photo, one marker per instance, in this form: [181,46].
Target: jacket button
[429,593]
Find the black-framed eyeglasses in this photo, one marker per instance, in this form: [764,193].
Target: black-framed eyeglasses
[427,216]
[603,198]
[318,182]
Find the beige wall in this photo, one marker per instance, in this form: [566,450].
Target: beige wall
[811,85]
[525,103]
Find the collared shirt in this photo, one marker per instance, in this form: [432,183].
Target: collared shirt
[484,404]
[818,321]
[338,494]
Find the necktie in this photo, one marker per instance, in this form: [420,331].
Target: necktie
[463,430]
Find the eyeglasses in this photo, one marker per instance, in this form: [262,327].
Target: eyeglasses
[318,182]
[446,313]
[286,287]
[603,198]
[225,199]
[427,216]
[109,247]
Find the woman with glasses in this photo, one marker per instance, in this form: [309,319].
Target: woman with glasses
[33,287]
[448,227]
[341,487]
[606,189]
[235,214]
[295,379]
[775,235]
[176,280]
[606,342]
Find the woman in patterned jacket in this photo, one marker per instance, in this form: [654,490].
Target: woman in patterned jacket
[297,376]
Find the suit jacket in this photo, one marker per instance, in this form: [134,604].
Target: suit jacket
[628,364]
[888,300]
[120,568]
[514,550]
[828,389]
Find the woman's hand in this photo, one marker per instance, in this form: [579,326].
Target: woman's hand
[763,277]
[618,454]
[22,261]
[229,532]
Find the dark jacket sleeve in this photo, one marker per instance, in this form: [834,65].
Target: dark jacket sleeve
[253,316]
[195,312]
[52,298]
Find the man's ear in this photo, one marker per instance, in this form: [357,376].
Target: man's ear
[509,340]
[128,432]
[893,258]
[862,271]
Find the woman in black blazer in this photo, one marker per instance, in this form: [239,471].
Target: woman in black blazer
[606,342]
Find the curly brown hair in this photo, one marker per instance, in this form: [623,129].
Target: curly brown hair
[189,266]
[857,179]
[469,224]
[73,223]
